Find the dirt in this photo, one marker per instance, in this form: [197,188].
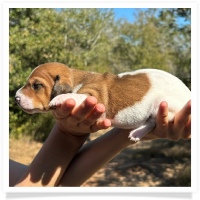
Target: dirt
[145,164]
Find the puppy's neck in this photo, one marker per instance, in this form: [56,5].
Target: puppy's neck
[78,76]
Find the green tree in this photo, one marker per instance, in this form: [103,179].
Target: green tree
[178,23]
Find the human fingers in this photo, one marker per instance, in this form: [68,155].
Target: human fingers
[161,123]
[82,111]
[64,110]
[162,116]
[93,121]
[182,121]
[161,120]
[187,130]
[101,124]
[182,117]
[95,114]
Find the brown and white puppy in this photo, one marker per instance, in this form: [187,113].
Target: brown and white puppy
[131,99]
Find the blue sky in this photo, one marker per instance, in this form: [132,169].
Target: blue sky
[127,13]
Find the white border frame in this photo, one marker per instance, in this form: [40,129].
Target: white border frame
[96,4]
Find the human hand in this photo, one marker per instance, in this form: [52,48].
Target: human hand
[179,128]
[80,120]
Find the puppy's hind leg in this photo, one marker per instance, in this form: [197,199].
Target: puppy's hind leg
[136,134]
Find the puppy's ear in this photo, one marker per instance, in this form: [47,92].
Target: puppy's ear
[60,88]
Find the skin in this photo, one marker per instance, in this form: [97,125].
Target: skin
[63,157]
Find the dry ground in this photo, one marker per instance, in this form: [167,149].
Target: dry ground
[152,163]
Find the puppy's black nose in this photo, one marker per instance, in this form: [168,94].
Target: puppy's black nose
[17,99]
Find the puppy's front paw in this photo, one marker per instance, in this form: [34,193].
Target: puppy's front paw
[58,100]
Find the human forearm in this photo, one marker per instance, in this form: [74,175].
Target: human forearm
[92,156]
[16,171]
[52,160]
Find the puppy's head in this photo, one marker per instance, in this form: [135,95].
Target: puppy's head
[45,82]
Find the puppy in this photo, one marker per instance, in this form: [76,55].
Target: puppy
[131,99]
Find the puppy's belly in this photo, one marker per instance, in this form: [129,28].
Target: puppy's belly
[132,117]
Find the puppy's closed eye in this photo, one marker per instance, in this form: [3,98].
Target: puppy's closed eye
[37,86]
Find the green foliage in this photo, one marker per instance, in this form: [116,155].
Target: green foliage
[152,42]
[177,22]
[91,39]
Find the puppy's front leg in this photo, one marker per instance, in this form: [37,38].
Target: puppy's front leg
[58,100]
